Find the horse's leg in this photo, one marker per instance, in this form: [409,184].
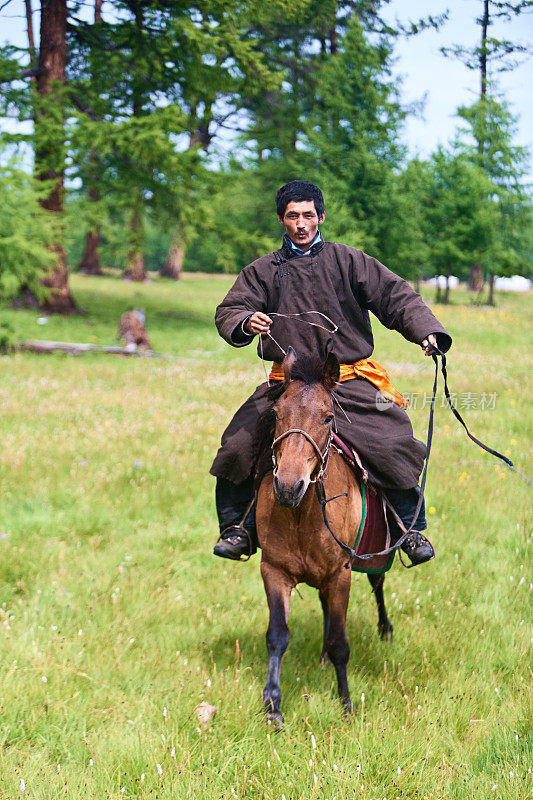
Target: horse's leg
[278,590]
[384,623]
[325,609]
[338,648]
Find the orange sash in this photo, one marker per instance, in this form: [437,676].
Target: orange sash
[366,368]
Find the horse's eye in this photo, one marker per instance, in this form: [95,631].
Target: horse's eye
[328,419]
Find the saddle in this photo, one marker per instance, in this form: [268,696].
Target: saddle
[373,534]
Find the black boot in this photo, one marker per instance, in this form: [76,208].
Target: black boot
[417,547]
[238,537]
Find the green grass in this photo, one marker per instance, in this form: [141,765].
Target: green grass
[112,608]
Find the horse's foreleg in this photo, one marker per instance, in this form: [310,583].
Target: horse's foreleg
[384,623]
[325,609]
[337,595]
[278,590]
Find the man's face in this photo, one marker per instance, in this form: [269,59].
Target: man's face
[301,222]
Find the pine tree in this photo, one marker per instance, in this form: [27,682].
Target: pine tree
[492,126]
[27,235]
[458,217]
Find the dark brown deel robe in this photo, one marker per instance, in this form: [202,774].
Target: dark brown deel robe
[344,284]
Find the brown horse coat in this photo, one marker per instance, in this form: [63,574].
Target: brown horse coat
[296,544]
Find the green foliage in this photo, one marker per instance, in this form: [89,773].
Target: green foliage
[459,217]
[236,224]
[26,232]
[7,337]
[353,138]
[491,127]
[409,239]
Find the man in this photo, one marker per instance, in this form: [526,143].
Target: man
[343,283]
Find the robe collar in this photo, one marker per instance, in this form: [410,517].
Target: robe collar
[290,250]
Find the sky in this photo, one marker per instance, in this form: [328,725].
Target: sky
[443,83]
[446,83]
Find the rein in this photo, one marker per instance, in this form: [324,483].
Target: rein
[324,457]
[321,492]
[296,317]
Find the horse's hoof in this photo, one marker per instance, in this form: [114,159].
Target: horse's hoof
[275,718]
[386,634]
[347,709]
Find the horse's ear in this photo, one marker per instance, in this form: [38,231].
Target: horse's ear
[332,371]
[288,363]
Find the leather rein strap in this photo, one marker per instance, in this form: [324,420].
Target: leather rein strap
[321,492]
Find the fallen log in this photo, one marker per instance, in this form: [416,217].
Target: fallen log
[76,348]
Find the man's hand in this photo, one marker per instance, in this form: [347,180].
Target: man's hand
[429,344]
[258,323]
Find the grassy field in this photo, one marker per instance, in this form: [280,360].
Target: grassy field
[116,621]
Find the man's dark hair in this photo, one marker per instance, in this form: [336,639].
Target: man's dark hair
[298,192]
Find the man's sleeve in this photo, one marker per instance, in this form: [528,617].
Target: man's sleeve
[248,294]
[395,303]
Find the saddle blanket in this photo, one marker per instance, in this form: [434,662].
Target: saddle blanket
[373,534]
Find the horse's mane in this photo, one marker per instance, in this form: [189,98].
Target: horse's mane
[308,369]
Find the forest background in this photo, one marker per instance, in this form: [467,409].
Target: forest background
[160,131]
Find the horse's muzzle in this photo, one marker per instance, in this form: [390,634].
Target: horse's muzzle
[290,495]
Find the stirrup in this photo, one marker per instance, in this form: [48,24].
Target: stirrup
[416,563]
[240,529]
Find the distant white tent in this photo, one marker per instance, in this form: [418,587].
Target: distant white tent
[453,282]
[516,283]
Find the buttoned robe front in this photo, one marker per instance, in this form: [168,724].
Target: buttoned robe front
[344,284]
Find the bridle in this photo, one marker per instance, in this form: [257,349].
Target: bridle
[323,456]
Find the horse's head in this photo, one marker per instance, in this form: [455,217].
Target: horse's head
[304,417]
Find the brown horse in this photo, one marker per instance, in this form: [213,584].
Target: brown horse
[296,545]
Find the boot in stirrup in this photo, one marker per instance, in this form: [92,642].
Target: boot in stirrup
[418,548]
[236,543]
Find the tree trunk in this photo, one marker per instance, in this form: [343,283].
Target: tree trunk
[50,140]
[446,298]
[174,260]
[437,291]
[476,279]
[29,30]
[490,299]
[90,260]
[332,36]
[483,49]
[135,267]
[483,66]
[417,282]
